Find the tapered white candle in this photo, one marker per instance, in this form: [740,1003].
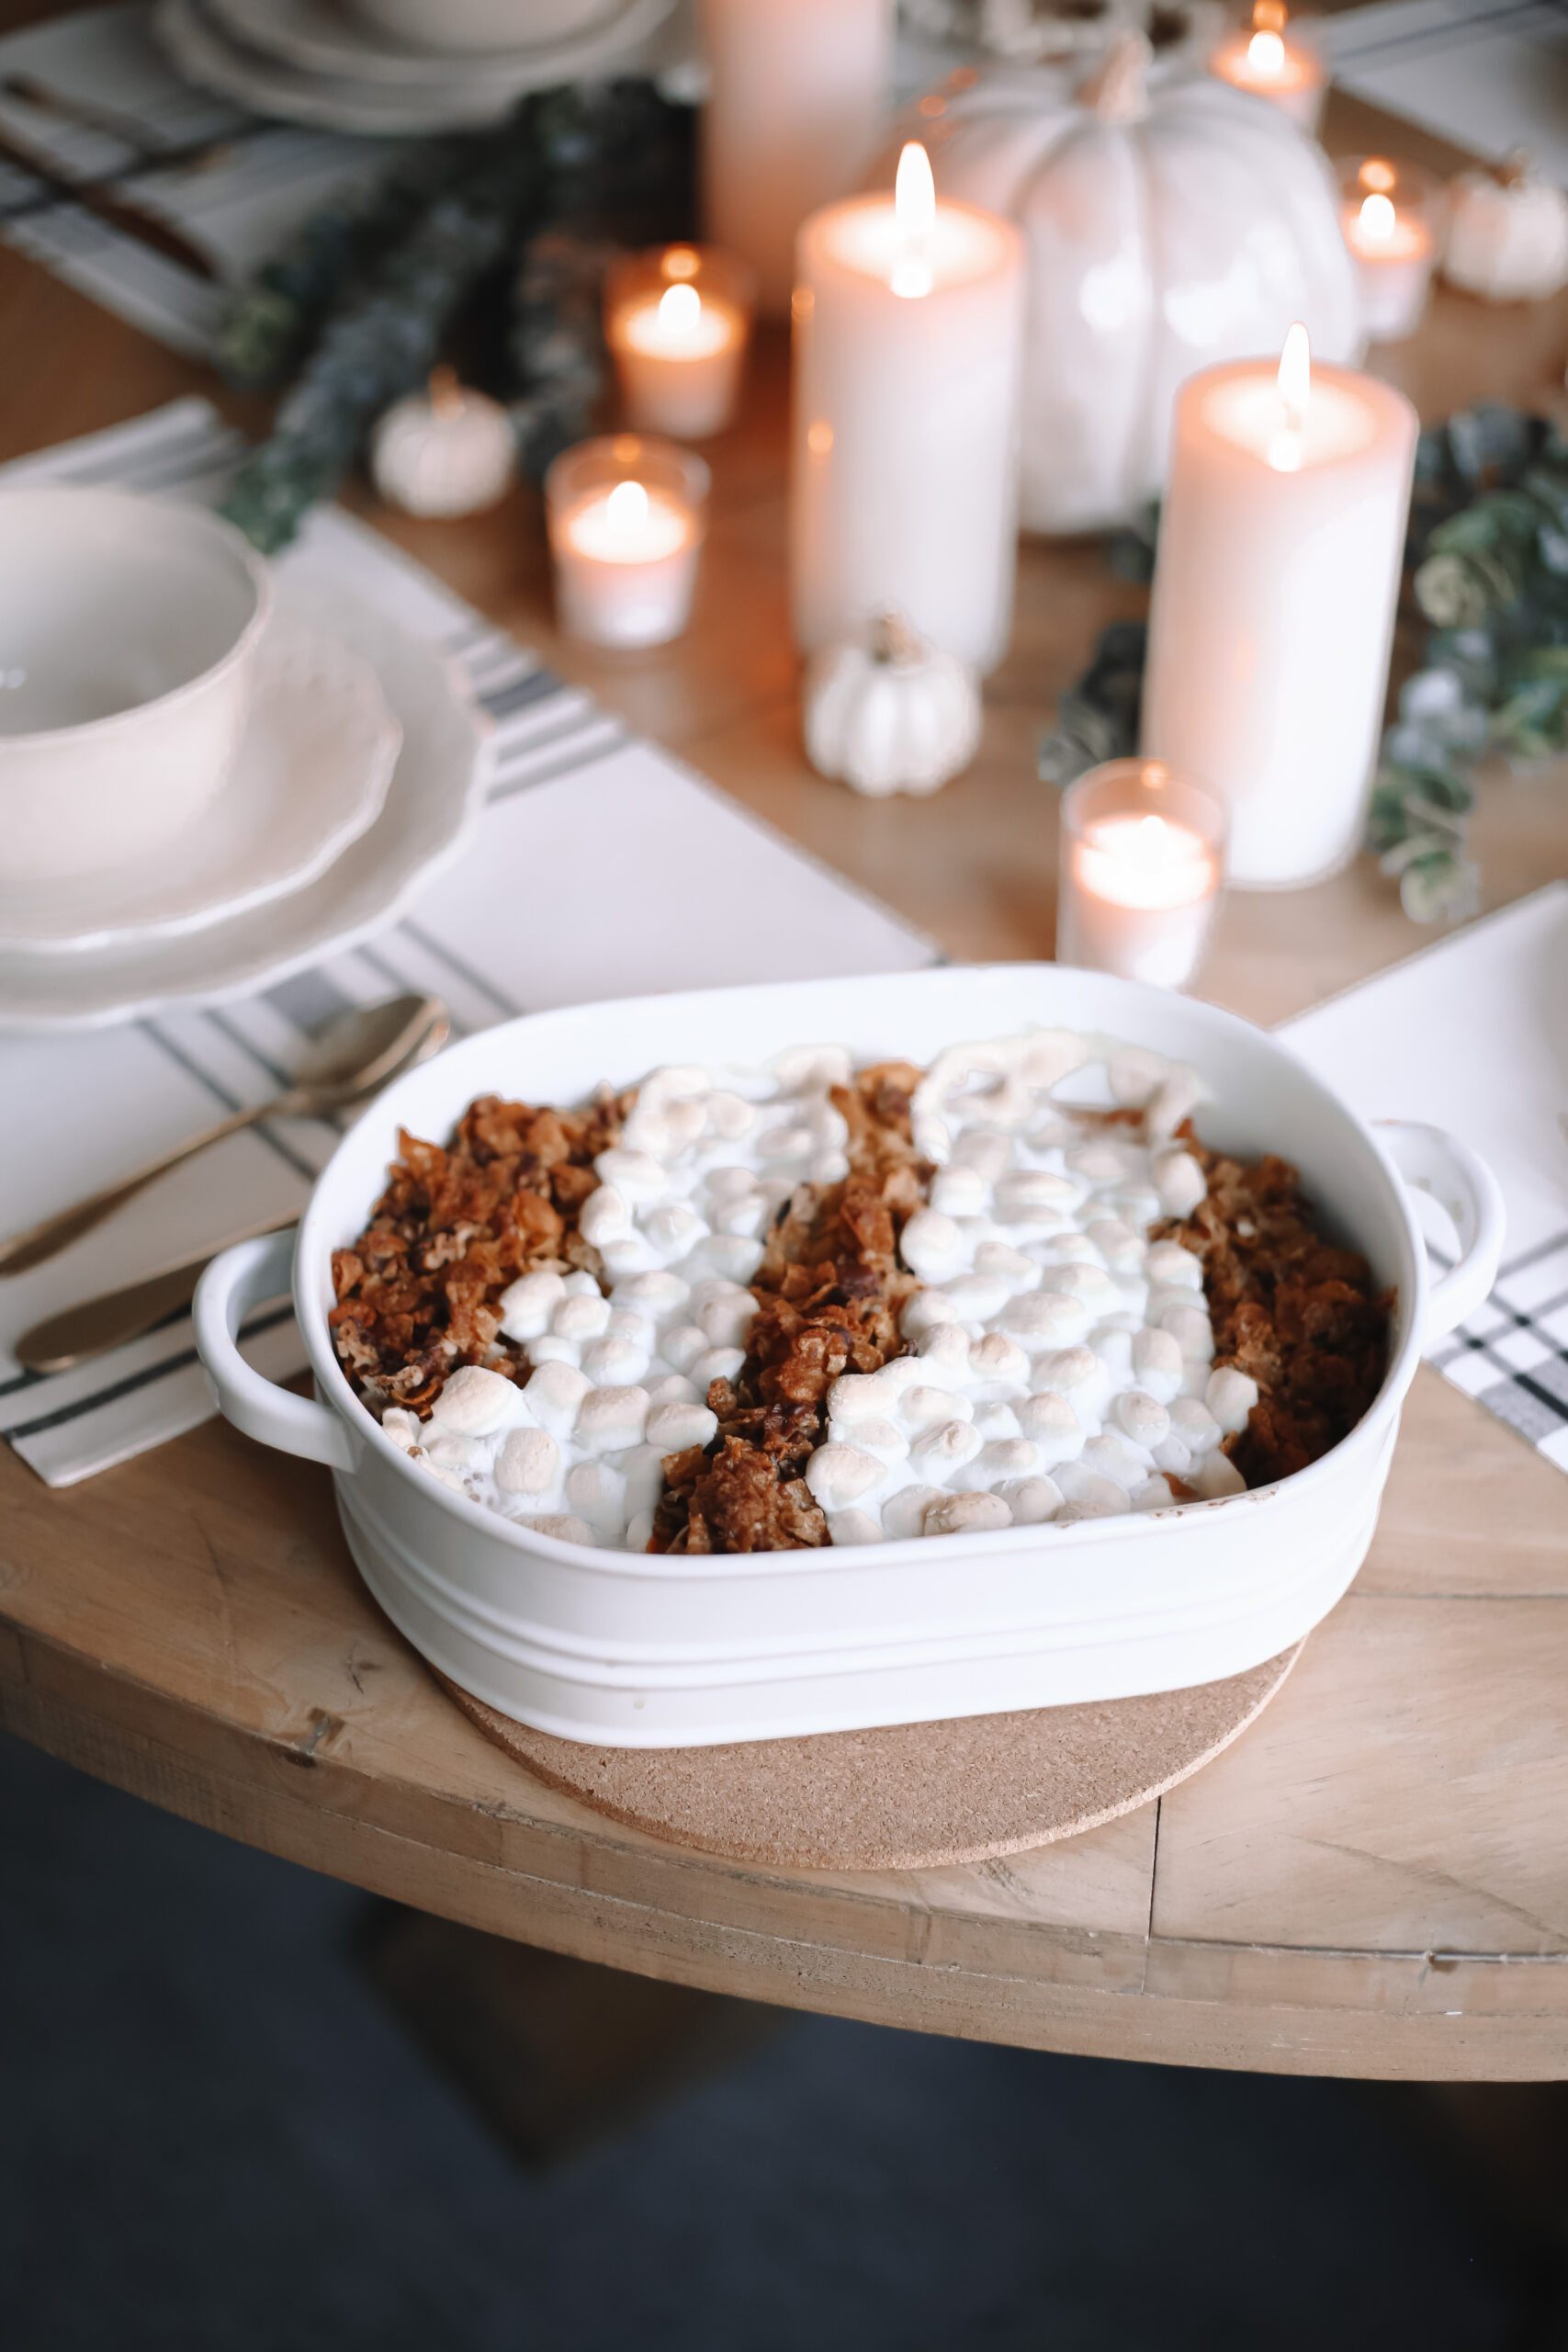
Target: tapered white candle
[1279,549]
[798,90]
[909,320]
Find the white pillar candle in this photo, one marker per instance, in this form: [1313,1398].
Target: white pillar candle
[1273,60]
[677,322]
[798,91]
[625,517]
[1388,217]
[1278,572]
[908,320]
[1138,881]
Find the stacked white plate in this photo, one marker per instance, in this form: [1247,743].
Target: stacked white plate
[361,771]
[342,66]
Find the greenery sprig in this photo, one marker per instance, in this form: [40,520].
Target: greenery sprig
[1488,554]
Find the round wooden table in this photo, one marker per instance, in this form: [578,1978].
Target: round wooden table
[1373,1881]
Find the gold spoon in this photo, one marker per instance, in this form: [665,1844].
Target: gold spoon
[350,1059]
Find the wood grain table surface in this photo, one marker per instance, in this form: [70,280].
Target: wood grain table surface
[1373,1881]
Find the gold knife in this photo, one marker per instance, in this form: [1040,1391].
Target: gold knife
[99,1324]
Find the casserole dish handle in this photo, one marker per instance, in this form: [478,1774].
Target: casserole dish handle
[233,1284]
[1430,1160]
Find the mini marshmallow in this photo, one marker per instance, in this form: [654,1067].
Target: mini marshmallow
[672,1428]
[673,1389]
[636,1176]
[1192,1330]
[729,1117]
[402,1427]
[1075,1280]
[1111,1457]
[1157,1363]
[639,1532]
[959,1192]
[1192,1422]
[683,1346]
[1073,1373]
[1217,1475]
[609,1419]
[997,1420]
[1230,1397]
[880,1438]
[475,1401]
[554,1395]
[671,1230]
[1052,1427]
[581,1318]
[565,1526]
[1141,1416]
[606,1216]
[528,1304]
[1179,1181]
[1001,1264]
[982,1150]
[1089,1493]
[1152,1495]
[932,1245]
[924,1312]
[975,1299]
[1044,1320]
[999,1362]
[1028,1194]
[529,1463]
[944,1354]
[786,1143]
[967,1514]
[1172,1457]
[457,1453]
[945,1446]
[717,1363]
[1138,1205]
[1030,1502]
[1122,1249]
[903,1513]
[728,1320]
[1065,1250]
[1113,1346]
[1167,1262]
[1098,1164]
[626,1257]
[550,1350]
[598,1494]
[841,1475]
[860,1396]
[656,1294]
[581,1285]
[734,1256]
[922,1408]
[642,1467]
[729,1184]
[742,1219]
[1004,1457]
[854,1527]
[811,1069]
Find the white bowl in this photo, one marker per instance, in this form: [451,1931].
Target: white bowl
[638,1650]
[469,25]
[128,628]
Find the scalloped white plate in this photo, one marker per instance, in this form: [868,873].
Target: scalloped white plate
[432,803]
[311,774]
[324,37]
[207,51]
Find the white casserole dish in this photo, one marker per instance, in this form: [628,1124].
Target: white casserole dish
[635,1650]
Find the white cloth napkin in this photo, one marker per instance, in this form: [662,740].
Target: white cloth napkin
[1472,1034]
[655,881]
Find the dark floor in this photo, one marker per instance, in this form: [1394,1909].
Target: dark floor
[214,2134]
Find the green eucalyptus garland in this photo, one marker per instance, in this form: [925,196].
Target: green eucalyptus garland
[1488,551]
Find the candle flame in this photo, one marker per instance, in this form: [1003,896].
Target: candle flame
[1375,173]
[914,211]
[1266,55]
[1378,219]
[1295,395]
[681,261]
[625,509]
[680,308]
[1270,16]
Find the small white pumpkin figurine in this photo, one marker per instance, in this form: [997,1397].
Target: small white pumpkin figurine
[1507,235]
[886,712]
[443,451]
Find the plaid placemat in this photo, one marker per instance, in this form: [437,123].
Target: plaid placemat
[572,799]
[1472,1034]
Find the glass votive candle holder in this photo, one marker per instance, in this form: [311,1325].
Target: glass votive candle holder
[627,516]
[1274,56]
[1392,215]
[678,320]
[1141,863]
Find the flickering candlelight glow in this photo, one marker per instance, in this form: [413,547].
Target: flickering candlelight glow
[1377,221]
[1295,396]
[1377,174]
[1273,60]
[1266,56]
[914,208]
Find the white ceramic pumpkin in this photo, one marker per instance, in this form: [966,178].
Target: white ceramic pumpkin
[1169,228]
[443,451]
[1507,235]
[888,713]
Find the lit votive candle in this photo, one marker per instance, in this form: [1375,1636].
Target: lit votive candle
[1272,58]
[1390,217]
[1142,858]
[626,518]
[678,320]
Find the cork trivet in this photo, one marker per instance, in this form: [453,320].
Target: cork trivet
[911,1797]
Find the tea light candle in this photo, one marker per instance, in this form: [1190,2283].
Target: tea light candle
[908,323]
[1388,217]
[625,517]
[1273,60]
[1139,879]
[797,94]
[1281,543]
[677,322]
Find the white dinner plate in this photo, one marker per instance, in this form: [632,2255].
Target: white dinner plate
[311,774]
[326,36]
[208,53]
[432,806]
